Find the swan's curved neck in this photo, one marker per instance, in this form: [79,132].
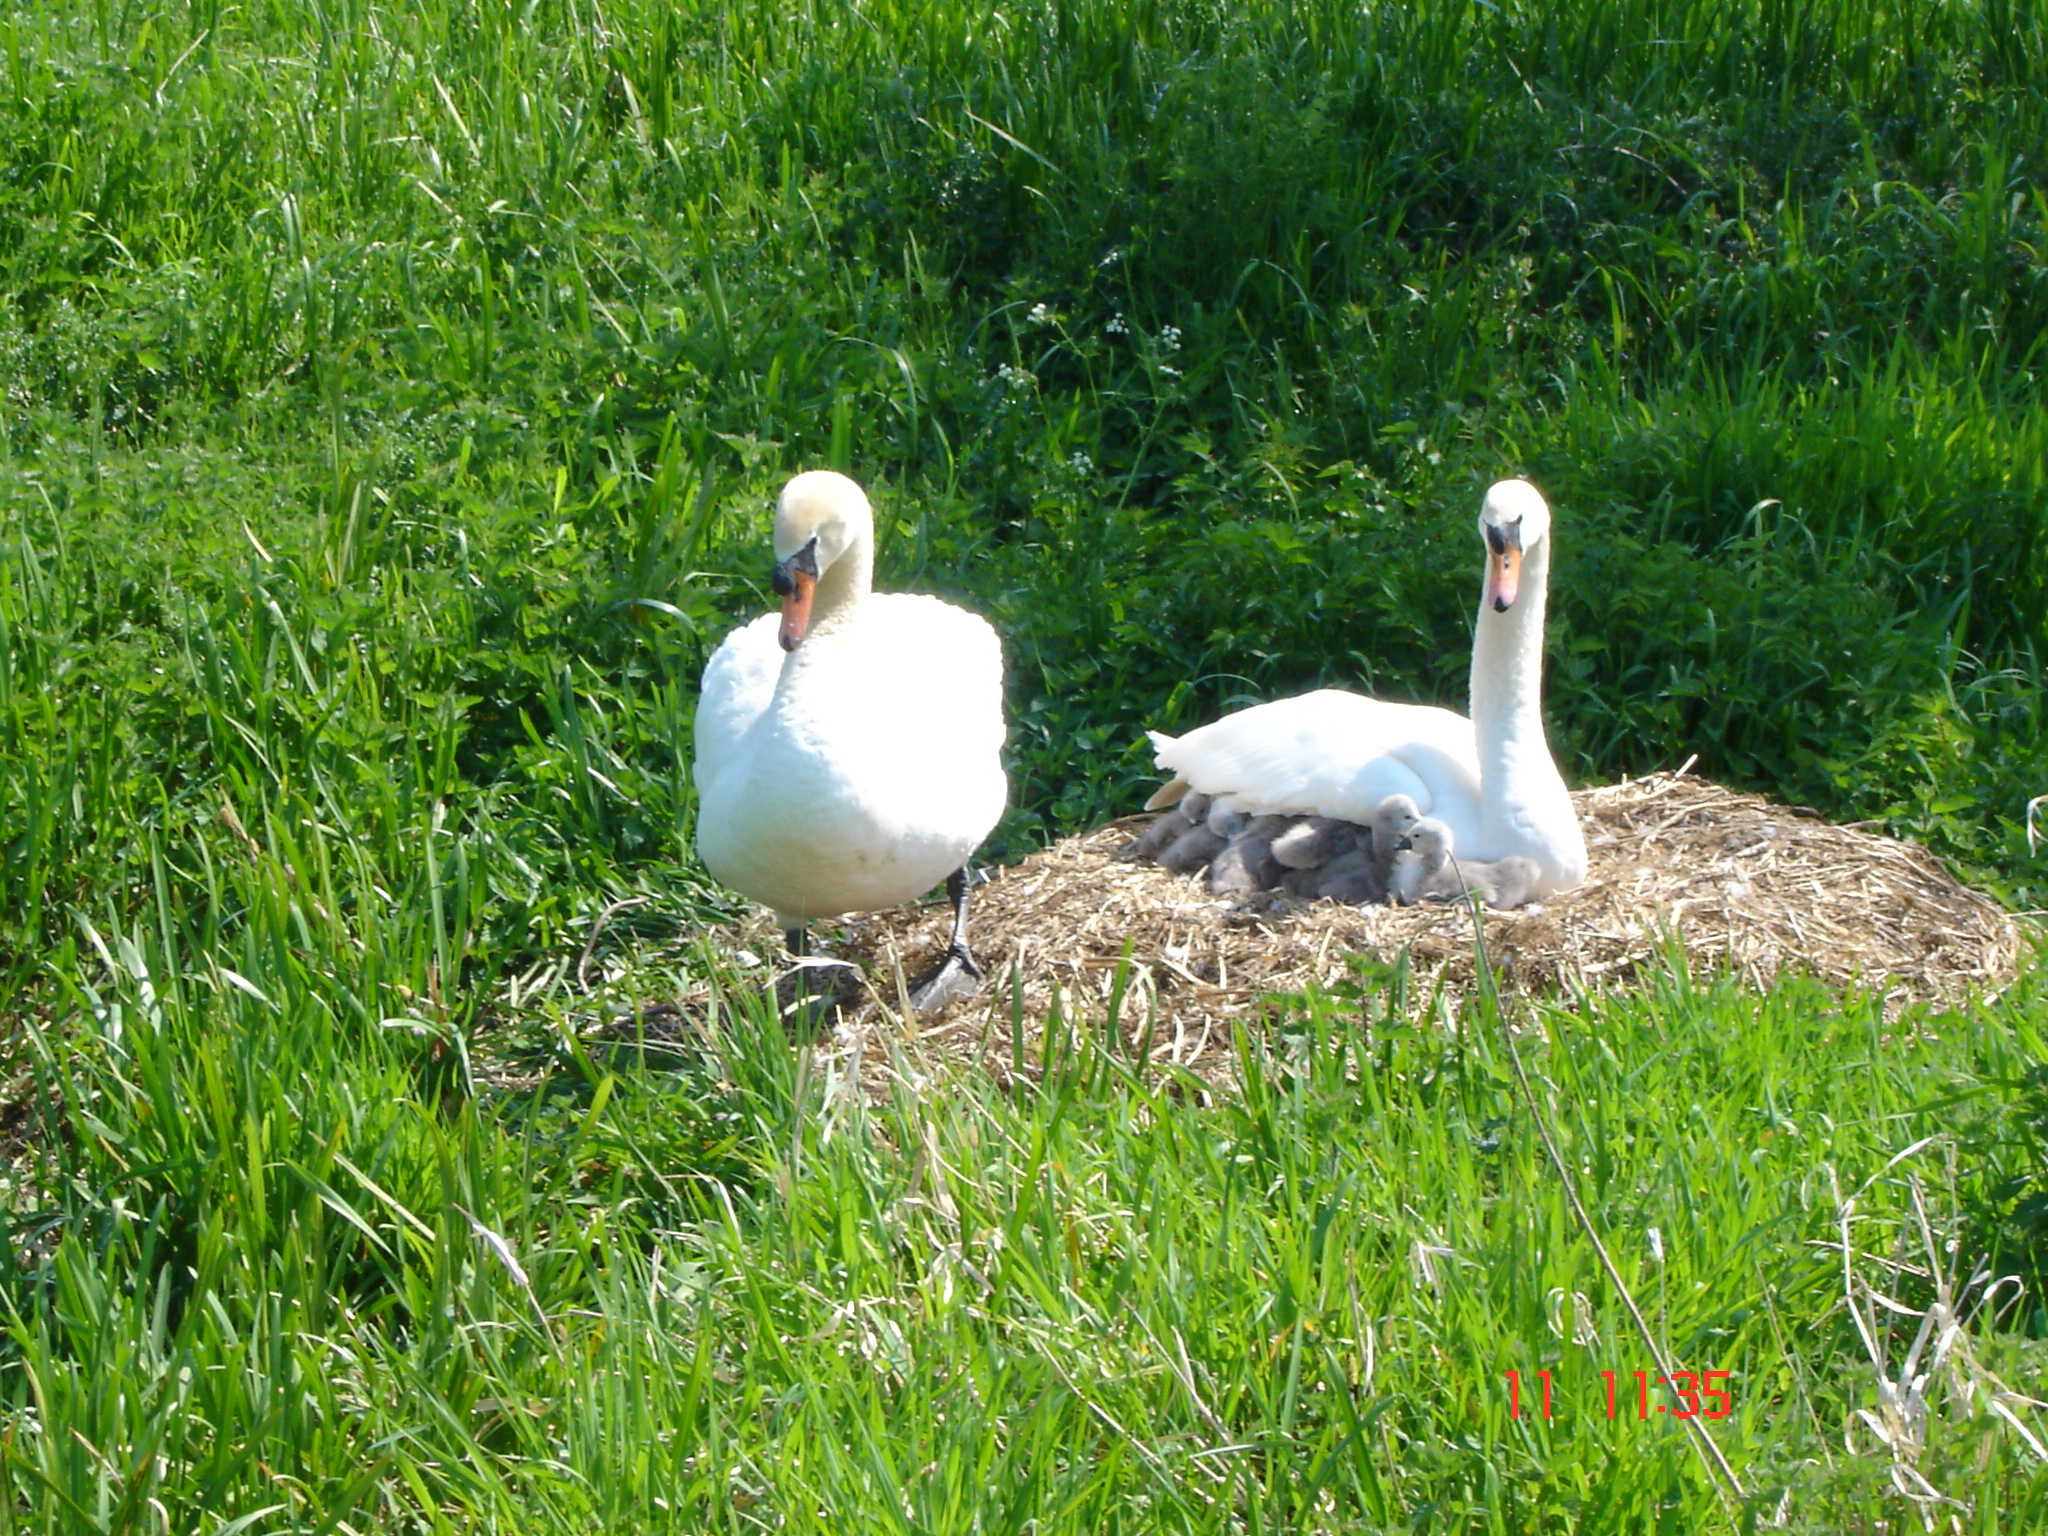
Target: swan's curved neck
[842,585]
[1507,684]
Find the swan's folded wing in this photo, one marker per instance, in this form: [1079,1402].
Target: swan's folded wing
[1173,791]
[739,680]
[1328,753]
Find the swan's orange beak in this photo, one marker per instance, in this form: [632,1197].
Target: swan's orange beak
[796,610]
[796,579]
[1503,565]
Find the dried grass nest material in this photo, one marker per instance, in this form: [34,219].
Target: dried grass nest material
[1754,885]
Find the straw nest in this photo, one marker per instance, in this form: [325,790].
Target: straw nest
[1747,884]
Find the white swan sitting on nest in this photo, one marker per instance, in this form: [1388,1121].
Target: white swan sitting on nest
[1490,779]
[849,748]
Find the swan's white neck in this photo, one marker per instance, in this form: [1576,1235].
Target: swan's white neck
[1507,699]
[841,587]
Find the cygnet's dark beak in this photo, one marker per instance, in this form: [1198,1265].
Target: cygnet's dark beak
[1403,842]
[795,579]
[1503,564]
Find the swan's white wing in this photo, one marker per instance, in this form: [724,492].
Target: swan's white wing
[739,680]
[1331,753]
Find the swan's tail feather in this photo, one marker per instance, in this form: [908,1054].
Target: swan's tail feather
[1169,793]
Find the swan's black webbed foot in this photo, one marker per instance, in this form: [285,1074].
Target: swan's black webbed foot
[957,975]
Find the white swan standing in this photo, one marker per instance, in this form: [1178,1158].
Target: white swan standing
[1490,779]
[849,748]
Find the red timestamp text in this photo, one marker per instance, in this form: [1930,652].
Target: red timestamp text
[1695,1394]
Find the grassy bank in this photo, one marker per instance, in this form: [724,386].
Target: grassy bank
[393,396]
[340,1290]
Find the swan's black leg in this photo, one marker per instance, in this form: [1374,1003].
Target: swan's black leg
[957,975]
[801,1001]
[813,983]
[810,991]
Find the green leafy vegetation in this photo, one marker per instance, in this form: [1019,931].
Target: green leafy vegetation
[392,398]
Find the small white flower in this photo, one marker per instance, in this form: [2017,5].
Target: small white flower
[1117,325]
[1041,314]
[1169,337]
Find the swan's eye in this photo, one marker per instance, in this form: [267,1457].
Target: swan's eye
[783,578]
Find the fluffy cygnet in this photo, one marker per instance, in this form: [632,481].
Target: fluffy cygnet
[1390,823]
[1160,841]
[1246,863]
[1225,822]
[1191,850]
[1355,877]
[1166,828]
[1351,863]
[1315,840]
[1428,869]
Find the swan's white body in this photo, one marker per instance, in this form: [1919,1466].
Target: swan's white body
[1490,778]
[862,766]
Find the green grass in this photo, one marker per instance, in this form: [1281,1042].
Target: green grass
[735,1294]
[392,397]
